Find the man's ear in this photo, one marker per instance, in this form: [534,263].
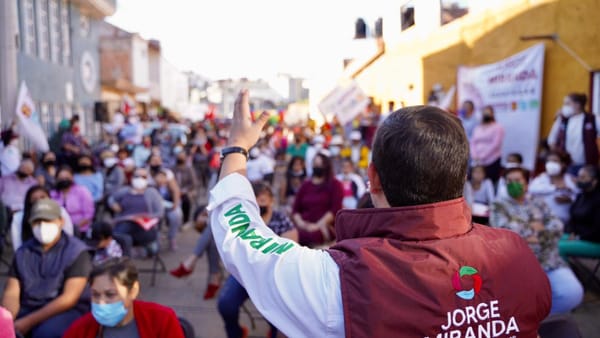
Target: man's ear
[135,290]
[374,181]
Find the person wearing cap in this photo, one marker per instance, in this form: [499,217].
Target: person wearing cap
[357,152]
[335,151]
[47,289]
[10,156]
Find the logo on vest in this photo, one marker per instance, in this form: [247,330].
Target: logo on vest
[466,271]
[482,320]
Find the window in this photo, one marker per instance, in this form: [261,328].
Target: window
[54,31]
[28,20]
[379,28]
[453,9]
[43,31]
[407,13]
[360,31]
[65,32]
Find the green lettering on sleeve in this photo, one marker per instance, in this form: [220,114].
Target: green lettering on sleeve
[270,248]
[235,210]
[239,219]
[250,234]
[240,229]
[284,247]
[259,243]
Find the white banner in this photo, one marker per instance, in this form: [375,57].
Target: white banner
[345,102]
[513,87]
[28,120]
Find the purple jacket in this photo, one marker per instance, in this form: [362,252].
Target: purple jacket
[78,202]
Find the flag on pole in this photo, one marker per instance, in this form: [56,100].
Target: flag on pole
[29,127]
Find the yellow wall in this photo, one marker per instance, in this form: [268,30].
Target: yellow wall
[489,37]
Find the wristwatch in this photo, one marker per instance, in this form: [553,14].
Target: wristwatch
[233,150]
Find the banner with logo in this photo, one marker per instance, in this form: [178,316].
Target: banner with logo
[513,87]
[345,102]
[29,121]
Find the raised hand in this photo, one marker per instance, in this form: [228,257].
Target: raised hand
[245,132]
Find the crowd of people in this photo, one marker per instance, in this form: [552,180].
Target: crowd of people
[73,211]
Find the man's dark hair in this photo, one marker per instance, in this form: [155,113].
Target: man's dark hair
[579,98]
[101,231]
[120,269]
[261,188]
[470,103]
[523,171]
[421,155]
[592,170]
[517,156]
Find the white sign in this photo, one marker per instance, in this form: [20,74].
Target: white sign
[28,120]
[345,102]
[513,87]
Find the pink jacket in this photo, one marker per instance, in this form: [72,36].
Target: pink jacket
[486,143]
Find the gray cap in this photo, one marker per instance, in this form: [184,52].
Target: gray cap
[45,209]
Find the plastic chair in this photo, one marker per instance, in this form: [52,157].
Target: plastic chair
[573,250]
[187,327]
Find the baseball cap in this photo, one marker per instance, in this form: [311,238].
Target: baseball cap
[45,209]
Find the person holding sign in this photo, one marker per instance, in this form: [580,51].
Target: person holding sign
[417,248]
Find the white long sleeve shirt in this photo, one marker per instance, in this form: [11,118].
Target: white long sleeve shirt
[295,288]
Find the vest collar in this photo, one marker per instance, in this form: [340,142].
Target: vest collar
[417,223]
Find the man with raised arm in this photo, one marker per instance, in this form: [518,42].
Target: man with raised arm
[415,266]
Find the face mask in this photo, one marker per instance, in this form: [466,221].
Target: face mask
[487,118]
[177,150]
[139,183]
[335,151]
[318,172]
[109,315]
[85,168]
[553,168]
[200,142]
[15,143]
[46,232]
[180,161]
[263,210]
[585,186]
[134,120]
[110,162]
[155,168]
[75,130]
[567,111]
[318,146]
[63,184]
[147,144]
[515,190]
[298,173]
[21,175]
[49,163]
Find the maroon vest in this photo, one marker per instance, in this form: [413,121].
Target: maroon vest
[426,271]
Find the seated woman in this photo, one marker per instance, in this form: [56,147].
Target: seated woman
[294,177]
[76,199]
[20,228]
[233,294]
[131,203]
[582,235]
[205,243]
[532,219]
[116,312]
[88,177]
[556,186]
[316,204]
[46,288]
[46,172]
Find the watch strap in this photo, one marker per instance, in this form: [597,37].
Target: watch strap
[233,150]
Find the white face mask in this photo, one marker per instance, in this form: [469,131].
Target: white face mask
[567,111]
[46,232]
[110,162]
[134,119]
[319,146]
[553,168]
[139,183]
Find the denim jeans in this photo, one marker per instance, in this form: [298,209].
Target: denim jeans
[231,298]
[174,221]
[206,242]
[53,327]
[567,291]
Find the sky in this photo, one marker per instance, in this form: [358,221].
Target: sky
[254,39]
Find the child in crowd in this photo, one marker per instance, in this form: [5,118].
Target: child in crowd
[106,246]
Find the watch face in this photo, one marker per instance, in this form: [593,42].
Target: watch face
[89,72]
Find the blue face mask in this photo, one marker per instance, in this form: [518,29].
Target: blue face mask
[109,314]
